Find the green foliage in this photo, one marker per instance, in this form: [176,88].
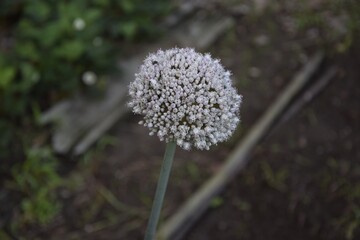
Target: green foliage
[36,178]
[45,48]
[51,44]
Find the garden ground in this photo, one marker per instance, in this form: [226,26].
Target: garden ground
[302,182]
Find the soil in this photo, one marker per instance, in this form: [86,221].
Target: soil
[302,182]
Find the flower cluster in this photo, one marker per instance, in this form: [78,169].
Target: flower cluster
[185,97]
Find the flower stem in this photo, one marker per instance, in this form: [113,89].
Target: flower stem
[160,190]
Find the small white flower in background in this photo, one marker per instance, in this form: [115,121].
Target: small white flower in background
[186,97]
[254,72]
[98,41]
[35,77]
[89,78]
[79,24]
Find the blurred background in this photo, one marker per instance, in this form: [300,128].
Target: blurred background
[64,70]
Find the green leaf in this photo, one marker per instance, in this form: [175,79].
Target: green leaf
[128,29]
[92,15]
[30,76]
[102,3]
[216,202]
[70,50]
[27,50]
[38,10]
[27,29]
[7,74]
[51,33]
[127,5]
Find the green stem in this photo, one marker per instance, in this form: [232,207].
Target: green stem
[160,190]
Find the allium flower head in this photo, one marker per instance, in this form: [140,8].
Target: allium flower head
[186,97]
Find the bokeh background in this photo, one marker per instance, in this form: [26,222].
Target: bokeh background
[302,180]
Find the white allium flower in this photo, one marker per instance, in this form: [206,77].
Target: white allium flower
[89,78]
[185,97]
[79,24]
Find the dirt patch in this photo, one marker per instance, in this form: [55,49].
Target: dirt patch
[303,180]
